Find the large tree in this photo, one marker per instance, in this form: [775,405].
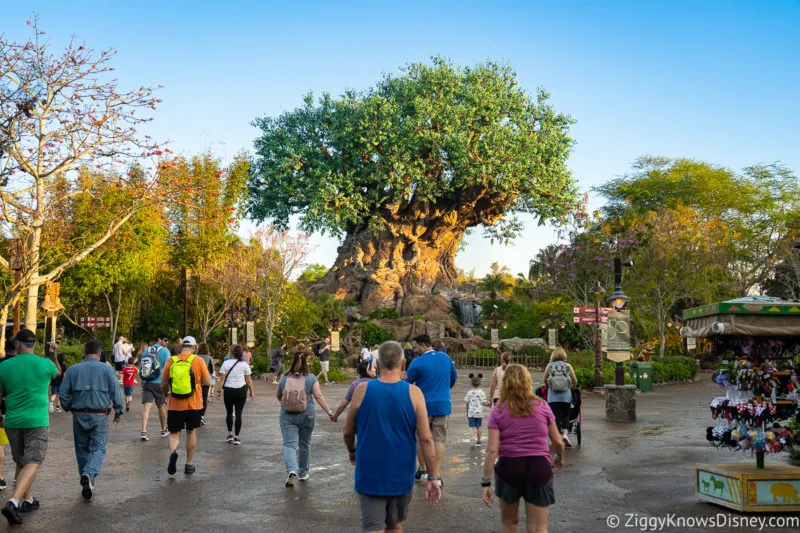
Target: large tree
[57,112]
[403,170]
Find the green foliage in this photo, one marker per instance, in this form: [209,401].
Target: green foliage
[533,350]
[260,364]
[665,369]
[373,334]
[480,357]
[433,135]
[73,353]
[384,313]
[312,273]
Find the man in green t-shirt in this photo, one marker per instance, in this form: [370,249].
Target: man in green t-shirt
[24,383]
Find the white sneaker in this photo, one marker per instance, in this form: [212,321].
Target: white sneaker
[290,479]
[304,477]
[52,408]
[567,443]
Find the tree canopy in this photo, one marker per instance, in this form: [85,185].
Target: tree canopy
[461,142]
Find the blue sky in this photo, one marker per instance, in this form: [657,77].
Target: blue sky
[714,80]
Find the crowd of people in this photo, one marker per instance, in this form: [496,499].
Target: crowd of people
[393,407]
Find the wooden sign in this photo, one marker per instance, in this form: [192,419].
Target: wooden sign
[250,334]
[590,319]
[335,346]
[95,322]
[552,338]
[590,310]
[234,336]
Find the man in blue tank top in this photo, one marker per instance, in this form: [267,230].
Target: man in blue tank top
[435,374]
[386,418]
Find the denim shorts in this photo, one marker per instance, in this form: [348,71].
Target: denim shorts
[474,422]
[128,390]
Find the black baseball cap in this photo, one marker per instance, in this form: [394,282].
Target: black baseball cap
[25,336]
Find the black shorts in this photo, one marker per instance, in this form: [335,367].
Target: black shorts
[179,420]
[119,365]
[530,478]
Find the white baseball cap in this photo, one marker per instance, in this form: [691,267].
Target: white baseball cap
[189,341]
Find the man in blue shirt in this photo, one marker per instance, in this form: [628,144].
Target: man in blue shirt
[151,388]
[89,390]
[435,374]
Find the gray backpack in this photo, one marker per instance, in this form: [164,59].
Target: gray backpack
[559,380]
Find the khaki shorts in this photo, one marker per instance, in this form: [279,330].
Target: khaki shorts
[439,428]
[326,365]
[151,393]
[28,445]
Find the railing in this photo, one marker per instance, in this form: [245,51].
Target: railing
[491,361]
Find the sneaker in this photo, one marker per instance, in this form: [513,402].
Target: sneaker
[304,477]
[567,443]
[290,479]
[58,408]
[229,439]
[2,484]
[11,512]
[274,381]
[441,483]
[421,476]
[189,470]
[143,436]
[88,487]
[164,433]
[478,444]
[127,406]
[202,421]
[236,441]
[173,463]
[52,407]
[27,506]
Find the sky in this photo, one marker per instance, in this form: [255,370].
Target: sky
[715,80]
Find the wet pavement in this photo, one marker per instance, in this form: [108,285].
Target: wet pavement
[635,471]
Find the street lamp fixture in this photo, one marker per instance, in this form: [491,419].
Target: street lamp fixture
[619,298]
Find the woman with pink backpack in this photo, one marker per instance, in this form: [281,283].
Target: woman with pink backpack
[297,390]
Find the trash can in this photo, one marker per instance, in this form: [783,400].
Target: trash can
[633,370]
[644,376]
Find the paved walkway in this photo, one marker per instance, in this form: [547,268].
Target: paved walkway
[644,468]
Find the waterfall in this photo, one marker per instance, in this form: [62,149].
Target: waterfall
[467,312]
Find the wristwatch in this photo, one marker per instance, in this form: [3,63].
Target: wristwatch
[486,483]
[330,413]
[433,478]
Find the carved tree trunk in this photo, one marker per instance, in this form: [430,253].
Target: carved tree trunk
[388,269]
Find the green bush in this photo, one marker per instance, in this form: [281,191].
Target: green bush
[665,369]
[533,350]
[73,353]
[260,364]
[384,313]
[373,334]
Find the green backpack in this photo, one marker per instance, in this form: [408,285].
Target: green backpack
[182,382]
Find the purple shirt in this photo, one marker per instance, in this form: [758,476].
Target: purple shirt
[352,389]
[525,436]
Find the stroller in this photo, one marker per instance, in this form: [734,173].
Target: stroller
[575,415]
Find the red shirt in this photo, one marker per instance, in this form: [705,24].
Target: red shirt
[128,375]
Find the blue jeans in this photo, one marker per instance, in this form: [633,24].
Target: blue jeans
[296,427]
[91,436]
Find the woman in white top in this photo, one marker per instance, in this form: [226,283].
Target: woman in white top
[235,382]
[497,377]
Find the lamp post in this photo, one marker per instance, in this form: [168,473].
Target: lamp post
[618,300]
[233,313]
[249,325]
[552,323]
[495,318]
[597,290]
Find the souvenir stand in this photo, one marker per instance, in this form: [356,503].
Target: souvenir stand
[758,339]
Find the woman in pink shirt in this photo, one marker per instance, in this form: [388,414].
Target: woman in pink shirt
[519,426]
